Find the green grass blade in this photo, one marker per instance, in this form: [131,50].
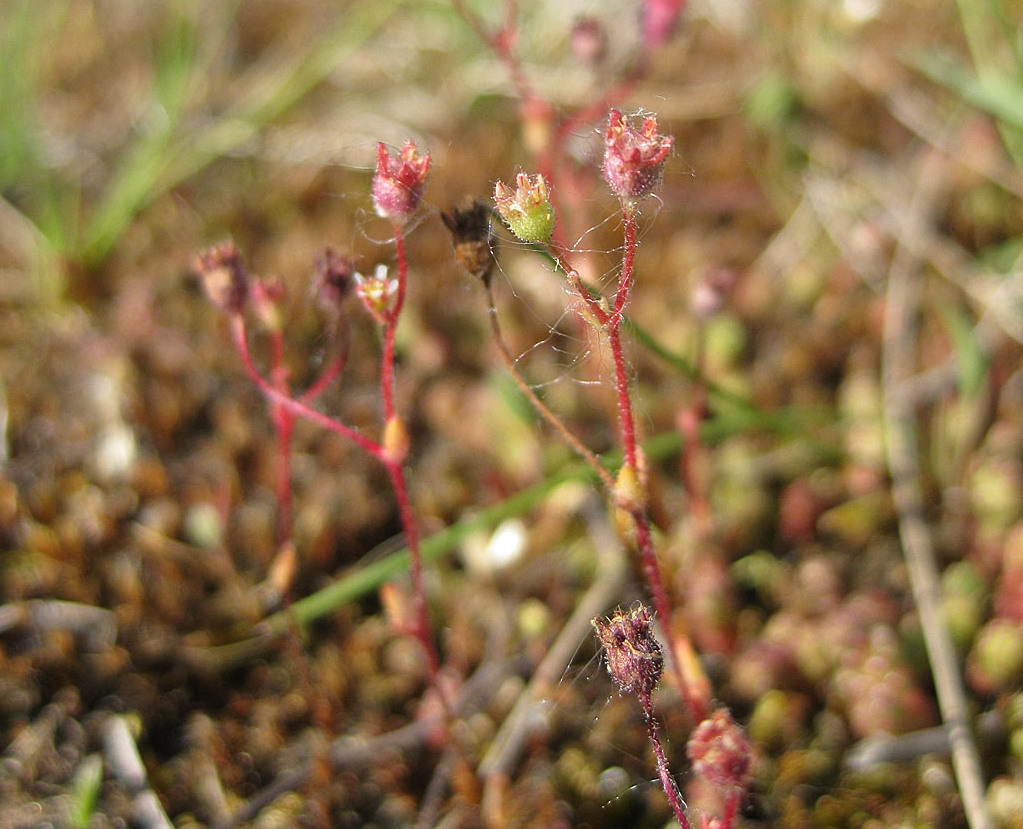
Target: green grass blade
[369,578]
[971,361]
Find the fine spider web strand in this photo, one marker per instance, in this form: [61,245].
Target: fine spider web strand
[555,330]
[638,758]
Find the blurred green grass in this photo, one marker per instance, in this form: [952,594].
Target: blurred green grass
[177,133]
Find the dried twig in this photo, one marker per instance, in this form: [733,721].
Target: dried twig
[526,716]
[903,462]
[126,764]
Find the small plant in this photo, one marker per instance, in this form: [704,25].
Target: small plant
[397,191]
[633,165]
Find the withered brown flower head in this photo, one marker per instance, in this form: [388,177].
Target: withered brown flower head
[333,278]
[631,650]
[472,235]
[223,276]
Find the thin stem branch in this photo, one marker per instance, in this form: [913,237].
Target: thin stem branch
[566,434]
[333,369]
[283,422]
[421,630]
[675,800]
[391,326]
[296,407]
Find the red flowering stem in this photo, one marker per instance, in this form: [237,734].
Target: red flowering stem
[731,809]
[336,366]
[626,421]
[627,435]
[283,422]
[421,630]
[696,706]
[664,772]
[295,407]
[391,325]
[396,472]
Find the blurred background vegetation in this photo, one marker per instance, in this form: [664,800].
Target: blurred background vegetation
[821,147]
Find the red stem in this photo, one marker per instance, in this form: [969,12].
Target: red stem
[627,431]
[731,809]
[626,421]
[398,483]
[391,326]
[283,422]
[664,772]
[696,706]
[296,407]
[336,366]
[422,615]
[628,258]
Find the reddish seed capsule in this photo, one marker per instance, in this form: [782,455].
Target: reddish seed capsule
[631,650]
[720,751]
[634,159]
[398,181]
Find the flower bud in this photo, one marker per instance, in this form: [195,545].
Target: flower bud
[628,492]
[634,159]
[659,20]
[223,276]
[631,650]
[720,751]
[398,182]
[377,293]
[396,441]
[527,210]
[589,41]
[711,292]
[472,236]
